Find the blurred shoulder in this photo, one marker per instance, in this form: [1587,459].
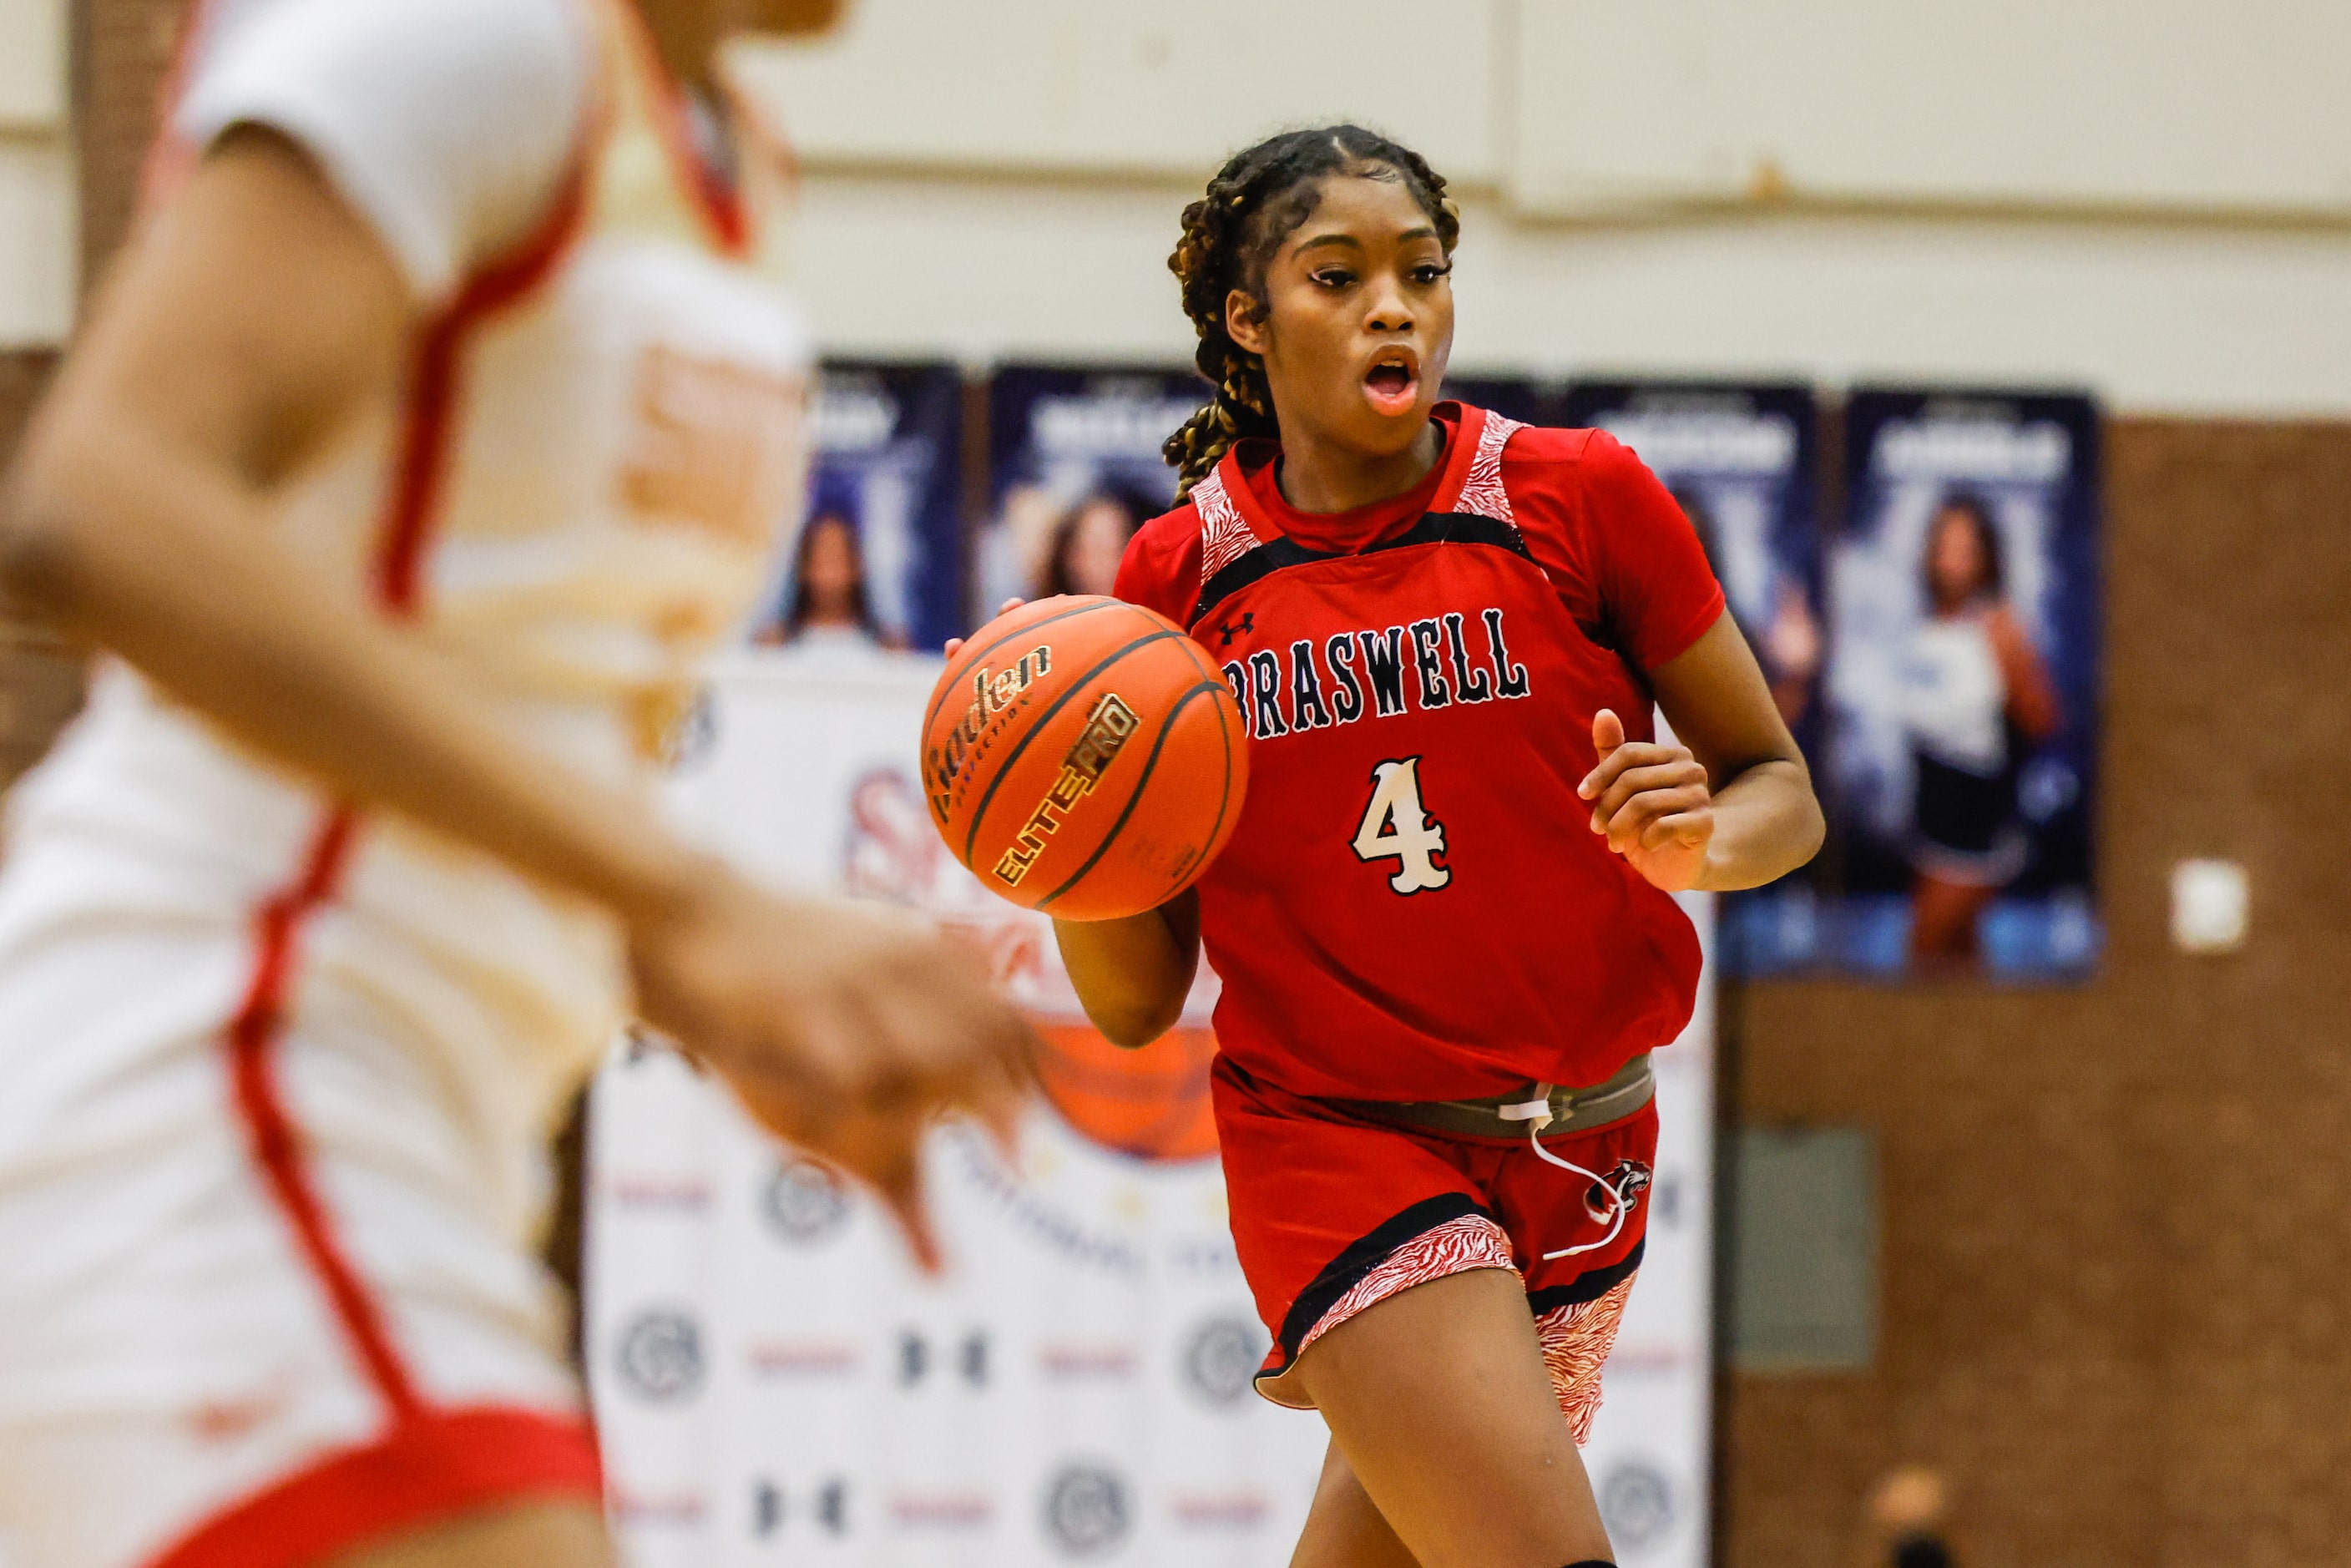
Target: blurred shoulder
[516,45]
[1566,455]
[1161,570]
[447,123]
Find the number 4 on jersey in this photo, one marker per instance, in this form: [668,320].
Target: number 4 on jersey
[1395,827]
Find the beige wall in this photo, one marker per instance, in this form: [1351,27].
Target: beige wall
[2175,317]
[36,196]
[2122,196]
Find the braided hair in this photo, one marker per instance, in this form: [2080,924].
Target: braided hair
[1256,200]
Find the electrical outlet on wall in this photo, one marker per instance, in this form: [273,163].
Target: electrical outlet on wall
[2211,904]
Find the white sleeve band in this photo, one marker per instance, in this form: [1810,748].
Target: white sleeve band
[447,124]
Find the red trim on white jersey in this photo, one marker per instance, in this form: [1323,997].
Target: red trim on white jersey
[717,201]
[415,491]
[270,1128]
[423,1471]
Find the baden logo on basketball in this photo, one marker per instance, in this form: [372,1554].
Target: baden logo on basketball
[994,693]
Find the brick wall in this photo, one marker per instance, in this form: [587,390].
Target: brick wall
[40,680]
[122,50]
[2118,1219]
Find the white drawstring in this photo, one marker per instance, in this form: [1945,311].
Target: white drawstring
[1536,1113]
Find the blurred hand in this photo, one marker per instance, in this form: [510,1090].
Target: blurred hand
[1652,802]
[954,645]
[844,1029]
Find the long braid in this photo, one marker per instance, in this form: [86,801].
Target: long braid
[1229,234]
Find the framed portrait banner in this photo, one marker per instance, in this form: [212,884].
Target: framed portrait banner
[1074,469]
[885,507]
[1961,686]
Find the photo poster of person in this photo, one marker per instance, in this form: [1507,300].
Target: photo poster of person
[879,557]
[1962,687]
[1074,470]
[1743,462]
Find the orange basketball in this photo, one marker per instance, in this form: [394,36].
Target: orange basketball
[1083,757]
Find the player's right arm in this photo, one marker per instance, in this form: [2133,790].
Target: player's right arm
[1132,974]
[249,324]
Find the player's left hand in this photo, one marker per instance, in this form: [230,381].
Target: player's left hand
[1652,802]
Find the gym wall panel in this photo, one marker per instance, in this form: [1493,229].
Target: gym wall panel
[32,64]
[1132,86]
[37,239]
[2162,105]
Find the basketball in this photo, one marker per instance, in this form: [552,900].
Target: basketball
[1082,756]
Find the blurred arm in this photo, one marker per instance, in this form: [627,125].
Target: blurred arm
[2031,696]
[242,333]
[1132,974]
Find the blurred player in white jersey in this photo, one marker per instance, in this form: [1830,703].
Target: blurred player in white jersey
[436,420]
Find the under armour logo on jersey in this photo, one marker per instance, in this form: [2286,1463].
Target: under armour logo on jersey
[1247,623]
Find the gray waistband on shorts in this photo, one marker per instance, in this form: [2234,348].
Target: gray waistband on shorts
[1572,1110]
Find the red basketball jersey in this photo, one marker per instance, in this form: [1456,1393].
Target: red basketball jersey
[1413,905]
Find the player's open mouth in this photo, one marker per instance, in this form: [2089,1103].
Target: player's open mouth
[1392,385]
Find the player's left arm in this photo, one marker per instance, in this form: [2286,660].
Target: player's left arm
[1728,805]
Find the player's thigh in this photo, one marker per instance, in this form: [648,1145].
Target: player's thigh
[524,1535]
[1441,1401]
[1345,1528]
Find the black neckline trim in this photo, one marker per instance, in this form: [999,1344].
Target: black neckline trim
[1433,529]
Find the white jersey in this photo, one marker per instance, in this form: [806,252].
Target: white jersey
[279,1071]
[1954,697]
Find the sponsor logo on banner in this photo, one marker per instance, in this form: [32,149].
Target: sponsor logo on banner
[1086,1511]
[919,1357]
[1081,1360]
[676,1195]
[659,1358]
[953,1511]
[773,1508]
[1220,1511]
[1636,1504]
[1219,1356]
[809,1358]
[659,1511]
[803,1202]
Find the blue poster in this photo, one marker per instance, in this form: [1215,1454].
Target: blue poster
[1074,470]
[880,557]
[1960,771]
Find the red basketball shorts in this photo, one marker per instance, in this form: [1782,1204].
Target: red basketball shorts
[1333,1213]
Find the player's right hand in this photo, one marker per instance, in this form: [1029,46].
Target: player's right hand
[845,1029]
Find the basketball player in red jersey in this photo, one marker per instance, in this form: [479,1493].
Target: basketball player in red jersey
[1444,925]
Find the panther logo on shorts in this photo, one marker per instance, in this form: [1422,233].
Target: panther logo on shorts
[1628,1181]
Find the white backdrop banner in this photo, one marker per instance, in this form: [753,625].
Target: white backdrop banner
[774,1382]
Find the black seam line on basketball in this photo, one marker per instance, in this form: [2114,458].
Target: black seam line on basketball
[937,702]
[1434,528]
[1589,1286]
[1150,766]
[1363,1255]
[1004,768]
[1224,797]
